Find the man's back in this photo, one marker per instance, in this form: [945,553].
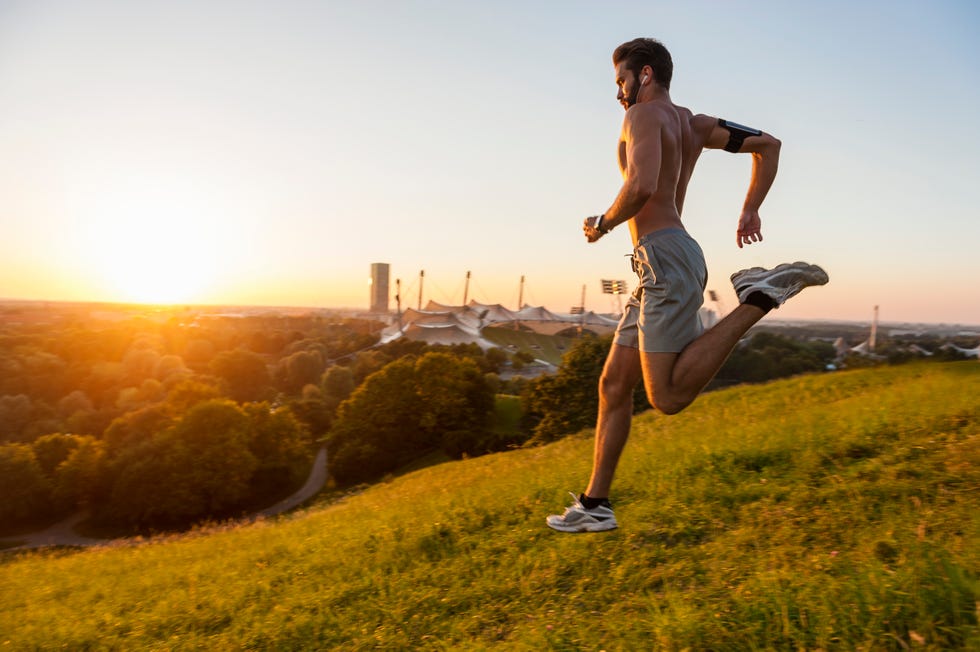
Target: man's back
[673,144]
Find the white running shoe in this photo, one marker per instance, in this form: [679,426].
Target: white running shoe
[579,519]
[779,283]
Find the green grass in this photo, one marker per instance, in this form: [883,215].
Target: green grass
[833,512]
[549,348]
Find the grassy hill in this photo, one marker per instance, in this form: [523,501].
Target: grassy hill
[834,512]
[549,348]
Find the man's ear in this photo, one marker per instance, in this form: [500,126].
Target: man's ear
[646,74]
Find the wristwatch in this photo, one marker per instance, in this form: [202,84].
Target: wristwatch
[598,225]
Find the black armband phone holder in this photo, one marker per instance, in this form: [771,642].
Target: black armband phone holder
[736,134]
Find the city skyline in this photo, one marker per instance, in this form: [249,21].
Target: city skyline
[222,153]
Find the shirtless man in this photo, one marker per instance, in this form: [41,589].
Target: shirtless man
[660,338]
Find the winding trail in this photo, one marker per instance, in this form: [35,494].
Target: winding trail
[63,533]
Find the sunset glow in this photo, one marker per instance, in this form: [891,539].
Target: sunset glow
[155,244]
[260,154]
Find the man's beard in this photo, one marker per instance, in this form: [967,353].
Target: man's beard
[631,100]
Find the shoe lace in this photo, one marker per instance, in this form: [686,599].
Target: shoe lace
[576,504]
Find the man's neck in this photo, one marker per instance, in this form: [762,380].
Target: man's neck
[654,93]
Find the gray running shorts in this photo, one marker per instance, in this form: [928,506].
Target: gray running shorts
[662,315]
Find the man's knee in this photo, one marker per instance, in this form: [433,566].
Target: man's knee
[615,388]
[668,404]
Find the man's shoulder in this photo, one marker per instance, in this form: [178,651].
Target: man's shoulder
[651,114]
[702,123]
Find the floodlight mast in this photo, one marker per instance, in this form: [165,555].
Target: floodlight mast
[615,287]
[874,332]
[398,303]
[520,303]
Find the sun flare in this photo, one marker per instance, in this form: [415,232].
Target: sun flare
[156,246]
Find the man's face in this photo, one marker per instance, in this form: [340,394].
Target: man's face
[627,84]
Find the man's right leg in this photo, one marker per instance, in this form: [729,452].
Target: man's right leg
[620,375]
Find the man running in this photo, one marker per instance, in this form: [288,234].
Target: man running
[660,338]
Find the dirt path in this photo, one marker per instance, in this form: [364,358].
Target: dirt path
[63,533]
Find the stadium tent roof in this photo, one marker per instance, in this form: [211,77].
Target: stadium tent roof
[435,306]
[444,317]
[595,319]
[970,353]
[491,313]
[465,323]
[536,313]
[445,334]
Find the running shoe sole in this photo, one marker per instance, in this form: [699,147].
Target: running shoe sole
[601,526]
[779,283]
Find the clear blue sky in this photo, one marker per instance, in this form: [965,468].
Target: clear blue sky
[267,153]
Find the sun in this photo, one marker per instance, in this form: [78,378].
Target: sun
[156,245]
[157,268]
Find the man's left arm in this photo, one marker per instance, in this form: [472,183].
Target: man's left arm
[765,162]
[641,131]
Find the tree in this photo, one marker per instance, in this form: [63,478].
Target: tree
[313,411]
[496,357]
[138,426]
[378,428]
[245,374]
[26,492]
[279,441]
[189,392]
[302,368]
[407,409]
[568,401]
[199,353]
[197,468]
[80,480]
[139,363]
[337,384]
[15,417]
[76,401]
[51,450]
[767,356]
[215,434]
[170,366]
[457,402]
[367,362]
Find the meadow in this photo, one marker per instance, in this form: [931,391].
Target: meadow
[825,512]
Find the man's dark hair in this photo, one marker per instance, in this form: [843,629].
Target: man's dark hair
[646,52]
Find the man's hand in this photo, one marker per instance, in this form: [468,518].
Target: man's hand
[749,228]
[591,233]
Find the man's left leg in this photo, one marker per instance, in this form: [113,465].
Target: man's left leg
[673,380]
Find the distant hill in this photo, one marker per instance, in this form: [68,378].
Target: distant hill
[837,512]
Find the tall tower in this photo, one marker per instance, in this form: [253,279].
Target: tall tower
[379,287]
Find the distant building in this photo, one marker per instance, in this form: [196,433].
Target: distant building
[379,287]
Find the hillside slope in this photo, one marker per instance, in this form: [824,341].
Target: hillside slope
[836,512]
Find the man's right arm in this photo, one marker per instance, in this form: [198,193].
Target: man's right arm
[765,162]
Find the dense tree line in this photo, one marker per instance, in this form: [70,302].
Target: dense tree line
[156,425]
[153,424]
[160,424]
[411,406]
[568,401]
[767,356]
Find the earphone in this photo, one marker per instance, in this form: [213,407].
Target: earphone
[643,79]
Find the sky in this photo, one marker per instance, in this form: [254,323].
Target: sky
[266,153]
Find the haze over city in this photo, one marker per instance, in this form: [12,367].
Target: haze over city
[266,154]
